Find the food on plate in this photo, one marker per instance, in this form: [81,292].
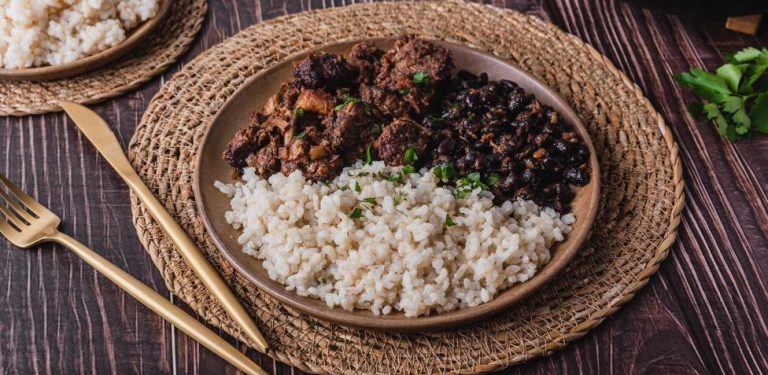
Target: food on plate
[54,32]
[407,244]
[383,181]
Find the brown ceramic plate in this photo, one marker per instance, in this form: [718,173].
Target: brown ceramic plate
[92,62]
[254,93]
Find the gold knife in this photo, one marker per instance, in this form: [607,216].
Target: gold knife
[100,134]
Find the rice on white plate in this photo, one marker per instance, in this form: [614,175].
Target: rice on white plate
[401,253]
[54,32]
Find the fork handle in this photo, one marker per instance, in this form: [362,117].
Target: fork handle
[157,303]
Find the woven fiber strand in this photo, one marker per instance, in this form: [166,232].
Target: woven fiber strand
[641,202]
[163,48]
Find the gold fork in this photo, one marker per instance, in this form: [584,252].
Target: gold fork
[28,223]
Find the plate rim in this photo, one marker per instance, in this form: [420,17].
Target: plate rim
[436,321]
[91,62]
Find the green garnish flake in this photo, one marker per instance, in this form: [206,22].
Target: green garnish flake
[348,99]
[368,155]
[377,129]
[420,78]
[410,154]
[344,188]
[313,323]
[444,171]
[409,169]
[370,200]
[395,178]
[356,213]
[404,91]
[333,346]
[362,174]
[449,221]
[357,187]
[735,96]
[301,135]
[468,183]
[493,178]
[327,182]
[398,198]
[299,112]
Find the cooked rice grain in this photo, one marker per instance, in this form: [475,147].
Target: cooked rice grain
[395,257]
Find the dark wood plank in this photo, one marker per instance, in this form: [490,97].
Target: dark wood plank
[705,312]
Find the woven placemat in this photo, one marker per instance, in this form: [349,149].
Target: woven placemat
[640,210]
[167,43]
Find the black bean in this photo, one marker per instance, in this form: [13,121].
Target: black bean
[576,176]
[562,147]
[446,146]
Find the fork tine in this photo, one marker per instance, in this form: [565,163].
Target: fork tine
[30,202]
[11,217]
[20,211]
[7,230]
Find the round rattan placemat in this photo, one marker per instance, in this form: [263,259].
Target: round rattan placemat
[640,209]
[167,43]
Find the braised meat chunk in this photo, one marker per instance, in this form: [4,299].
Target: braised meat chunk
[350,129]
[397,137]
[324,71]
[411,73]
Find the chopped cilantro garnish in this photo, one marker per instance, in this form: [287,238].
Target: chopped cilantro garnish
[398,198]
[449,221]
[333,347]
[356,213]
[301,135]
[404,91]
[368,155]
[344,188]
[410,154]
[327,182]
[492,179]
[420,78]
[444,171]
[357,187]
[312,323]
[299,112]
[348,99]
[474,176]
[371,200]
[362,174]
[395,178]
[376,128]
[409,169]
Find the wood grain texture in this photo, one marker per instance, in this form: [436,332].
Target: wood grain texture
[704,312]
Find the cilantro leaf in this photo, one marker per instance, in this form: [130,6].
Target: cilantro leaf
[357,187]
[410,154]
[706,84]
[420,78]
[759,113]
[735,96]
[747,54]
[368,155]
[731,74]
[299,112]
[449,221]
[356,213]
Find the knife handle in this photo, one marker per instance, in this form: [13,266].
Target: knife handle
[196,259]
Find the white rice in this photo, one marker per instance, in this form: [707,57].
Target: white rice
[395,257]
[55,32]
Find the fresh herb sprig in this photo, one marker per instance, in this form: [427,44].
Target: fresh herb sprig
[735,96]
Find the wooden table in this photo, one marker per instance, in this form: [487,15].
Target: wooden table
[706,311]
